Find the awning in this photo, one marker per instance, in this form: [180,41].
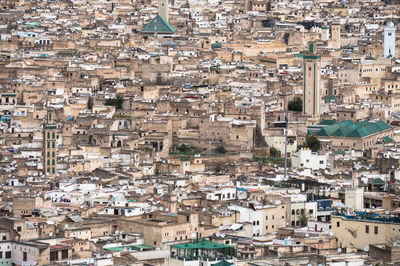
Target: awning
[387,139]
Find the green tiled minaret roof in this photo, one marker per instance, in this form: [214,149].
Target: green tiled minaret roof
[157,25]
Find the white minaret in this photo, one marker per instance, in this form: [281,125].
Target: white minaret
[163,9]
[389,42]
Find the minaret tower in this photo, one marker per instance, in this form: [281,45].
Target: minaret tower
[389,40]
[50,145]
[163,9]
[311,87]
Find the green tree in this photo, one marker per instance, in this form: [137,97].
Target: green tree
[303,219]
[313,143]
[273,152]
[117,102]
[296,105]
[220,149]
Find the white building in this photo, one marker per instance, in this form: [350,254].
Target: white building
[305,158]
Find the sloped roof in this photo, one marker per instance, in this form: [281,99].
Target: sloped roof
[376,181]
[159,25]
[328,122]
[222,263]
[353,130]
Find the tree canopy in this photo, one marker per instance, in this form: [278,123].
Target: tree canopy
[313,143]
[117,102]
[296,105]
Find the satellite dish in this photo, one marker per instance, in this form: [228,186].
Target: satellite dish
[331,233]
[193,235]
[166,209]
[394,244]
[195,205]
[202,222]
[116,232]
[289,237]
[161,208]
[108,256]
[204,209]
[387,212]
[180,209]
[222,235]
[366,249]
[339,250]
[307,235]
[217,234]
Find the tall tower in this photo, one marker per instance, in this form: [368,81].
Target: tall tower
[389,42]
[335,35]
[49,145]
[163,9]
[312,77]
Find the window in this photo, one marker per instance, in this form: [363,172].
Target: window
[48,162]
[1,254]
[321,162]
[8,254]
[53,135]
[64,254]
[337,224]
[48,154]
[25,256]
[367,229]
[311,211]
[53,255]
[48,145]
[54,145]
[53,154]
[48,135]
[375,230]
[19,229]
[266,217]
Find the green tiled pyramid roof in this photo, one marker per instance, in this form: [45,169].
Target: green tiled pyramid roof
[353,130]
[159,25]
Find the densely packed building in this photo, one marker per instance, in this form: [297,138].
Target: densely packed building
[199,133]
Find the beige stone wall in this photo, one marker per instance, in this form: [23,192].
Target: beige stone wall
[352,233]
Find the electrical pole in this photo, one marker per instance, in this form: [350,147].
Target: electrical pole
[286,133]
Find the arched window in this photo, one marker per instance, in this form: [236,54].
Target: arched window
[54,170]
[53,162]
[48,135]
[48,144]
[54,144]
[53,135]
[48,162]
